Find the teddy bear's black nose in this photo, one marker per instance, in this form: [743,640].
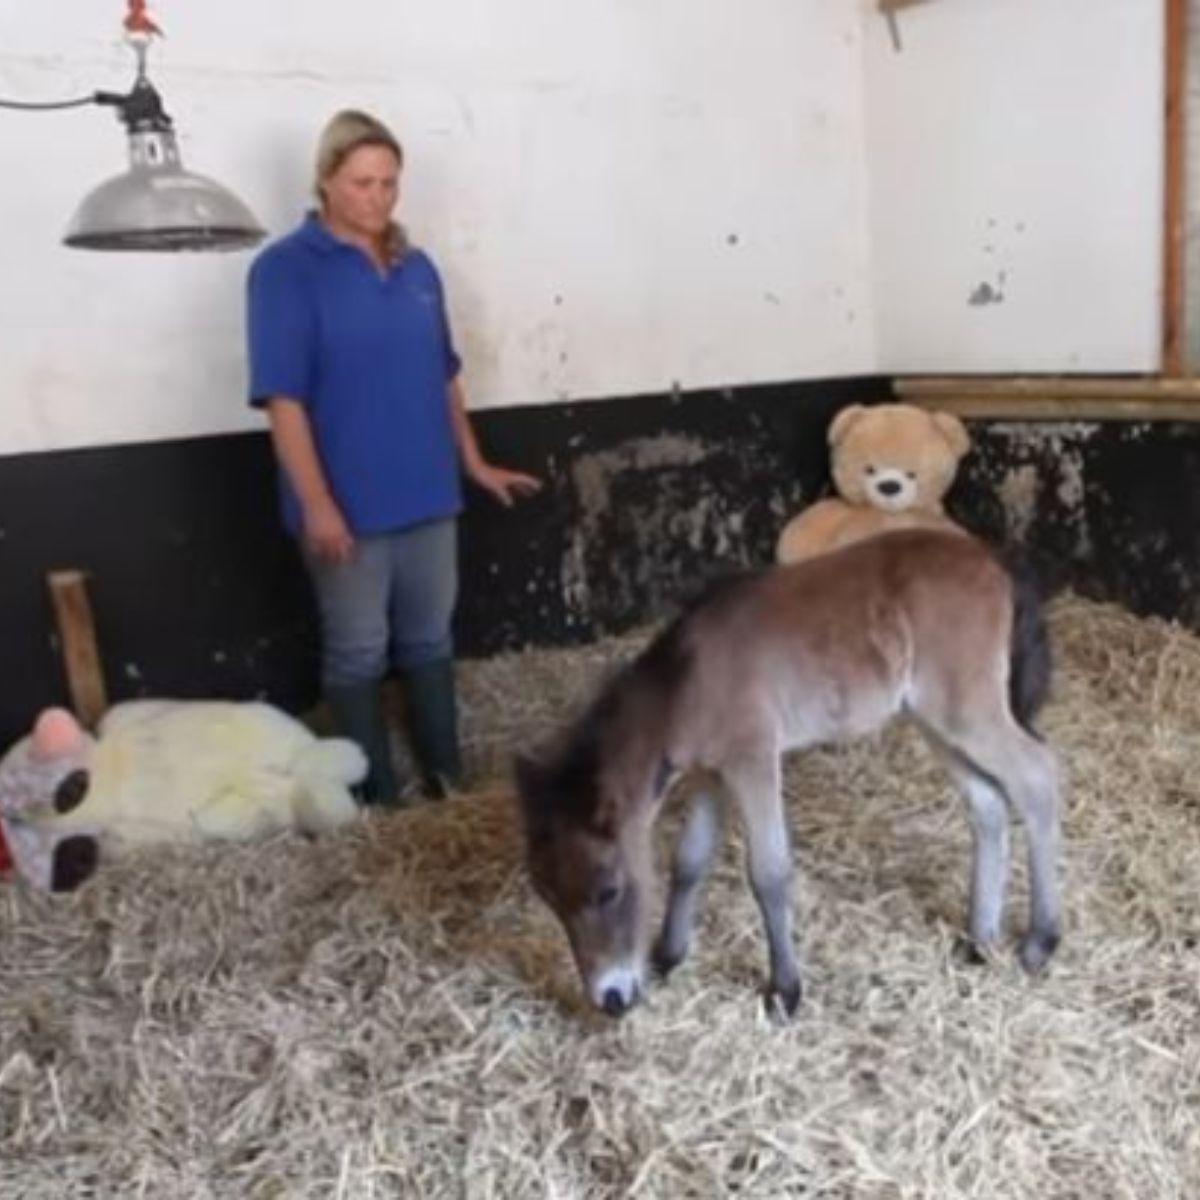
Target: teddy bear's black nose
[889,487]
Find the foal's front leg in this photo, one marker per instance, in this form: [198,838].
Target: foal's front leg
[756,785]
[693,856]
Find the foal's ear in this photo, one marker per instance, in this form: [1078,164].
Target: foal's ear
[531,777]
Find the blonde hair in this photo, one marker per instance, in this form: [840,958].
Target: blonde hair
[344,133]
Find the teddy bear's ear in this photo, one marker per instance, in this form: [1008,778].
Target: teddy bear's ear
[840,425]
[55,733]
[954,431]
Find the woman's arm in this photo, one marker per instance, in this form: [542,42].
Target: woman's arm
[502,483]
[325,529]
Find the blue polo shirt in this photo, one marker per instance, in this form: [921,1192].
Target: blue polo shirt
[369,354]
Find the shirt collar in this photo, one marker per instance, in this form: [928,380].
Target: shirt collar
[317,234]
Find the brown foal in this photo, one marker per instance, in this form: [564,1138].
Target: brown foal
[920,622]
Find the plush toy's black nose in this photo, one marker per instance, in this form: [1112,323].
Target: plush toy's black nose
[75,861]
[889,487]
[72,791]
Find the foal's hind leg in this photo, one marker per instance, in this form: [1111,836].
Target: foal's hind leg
[693,856]
[755,783]
[1034,791]
[990,849]
[1027,773]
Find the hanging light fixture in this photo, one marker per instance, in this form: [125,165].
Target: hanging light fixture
[155,204]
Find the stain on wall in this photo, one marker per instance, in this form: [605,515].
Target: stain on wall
[645,497]
[986,293]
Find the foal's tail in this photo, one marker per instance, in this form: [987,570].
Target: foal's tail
[1029,643]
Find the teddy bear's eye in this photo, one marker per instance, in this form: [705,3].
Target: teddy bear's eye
[911,475]
[70,792]
[870,469]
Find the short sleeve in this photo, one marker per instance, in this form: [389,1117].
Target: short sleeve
[279,330]
[452,361]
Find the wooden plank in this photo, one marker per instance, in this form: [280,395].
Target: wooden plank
[1057,398]
[1147,387]
[77,636]
[1174,293]
[1051,408]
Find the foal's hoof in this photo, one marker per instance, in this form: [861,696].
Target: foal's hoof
[664,959]
[971,953]
[783,999]
[1037,950]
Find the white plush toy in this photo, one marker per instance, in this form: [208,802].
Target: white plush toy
[166,771]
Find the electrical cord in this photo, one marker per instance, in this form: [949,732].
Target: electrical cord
[139,30]
[45,105]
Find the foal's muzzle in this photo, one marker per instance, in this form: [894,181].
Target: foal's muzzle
[616,991]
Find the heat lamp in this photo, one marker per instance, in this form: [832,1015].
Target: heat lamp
[155,204]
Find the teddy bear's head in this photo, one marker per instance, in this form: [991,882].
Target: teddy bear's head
[895,457]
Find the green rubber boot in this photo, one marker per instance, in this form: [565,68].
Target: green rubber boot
[431,718]
[358,710]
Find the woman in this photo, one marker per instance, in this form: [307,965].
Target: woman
[352,356]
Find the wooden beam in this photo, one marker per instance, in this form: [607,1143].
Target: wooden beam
[77,636]
[1057,398]
[1050,408]
[1174,293]
[1147,387]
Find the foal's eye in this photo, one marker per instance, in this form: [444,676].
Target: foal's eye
[606,896]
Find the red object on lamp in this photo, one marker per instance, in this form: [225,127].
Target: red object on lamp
[138,21]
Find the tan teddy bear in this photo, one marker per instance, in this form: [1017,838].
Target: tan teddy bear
[892,464]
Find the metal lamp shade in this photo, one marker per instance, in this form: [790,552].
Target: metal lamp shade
[157,205]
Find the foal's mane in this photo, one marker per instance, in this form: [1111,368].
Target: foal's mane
[563,784]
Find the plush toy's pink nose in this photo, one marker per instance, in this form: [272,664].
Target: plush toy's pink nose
[56,732]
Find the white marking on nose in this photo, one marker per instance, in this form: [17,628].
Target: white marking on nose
[616,988]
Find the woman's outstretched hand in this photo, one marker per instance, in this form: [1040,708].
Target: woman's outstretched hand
[505,485]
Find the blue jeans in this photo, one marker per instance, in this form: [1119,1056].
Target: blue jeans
[393,600]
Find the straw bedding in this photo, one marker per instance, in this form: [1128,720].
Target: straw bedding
[389,1012]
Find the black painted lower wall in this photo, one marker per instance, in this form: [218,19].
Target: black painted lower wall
[1111,509]
[197,592]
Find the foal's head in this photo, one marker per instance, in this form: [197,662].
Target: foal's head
[589,849]
[592,869]
[589,820]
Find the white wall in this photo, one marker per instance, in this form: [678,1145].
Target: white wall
[622,194]
[1015,151]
